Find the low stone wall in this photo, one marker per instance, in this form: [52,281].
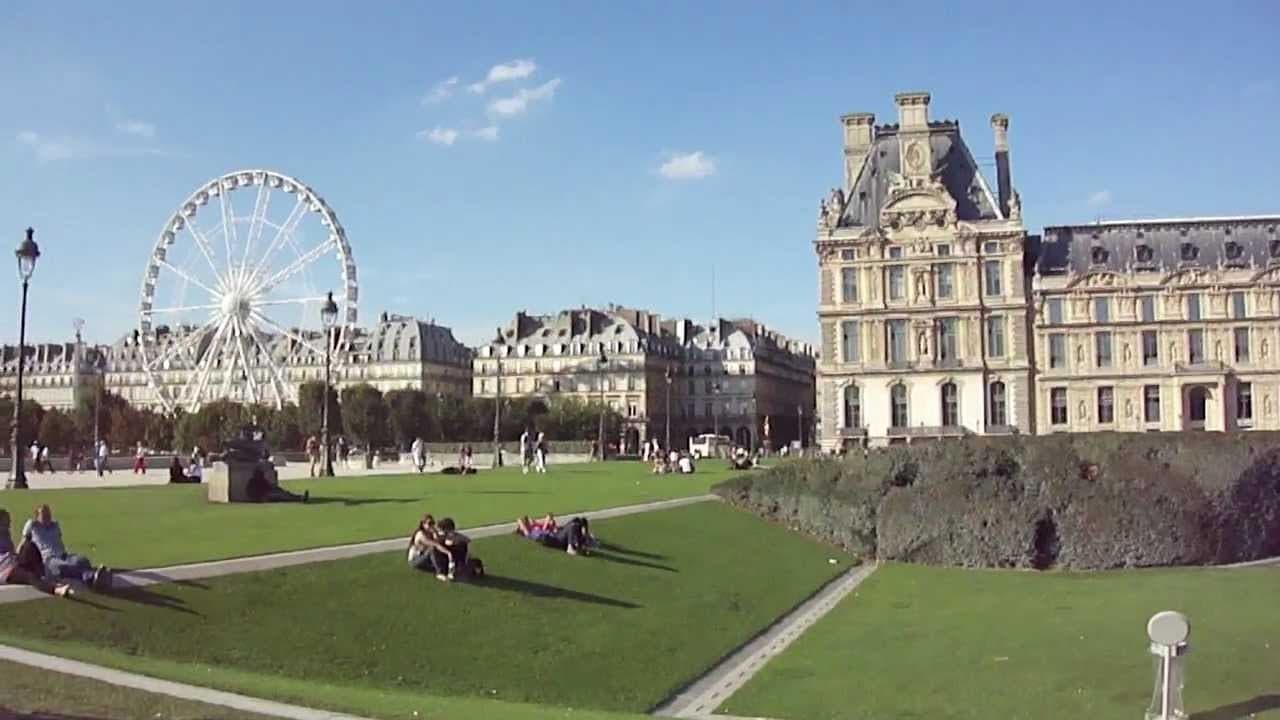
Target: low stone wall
[1066,501]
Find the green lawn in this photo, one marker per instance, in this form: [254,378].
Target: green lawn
[919,642]
[672,592]
[45,694]
[166,525]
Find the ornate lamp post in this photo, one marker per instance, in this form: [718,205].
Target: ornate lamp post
[27,253]
[602,362]
[669,377]
[497,406]
[100,370]
[440,413]
[328,318]
[715,416]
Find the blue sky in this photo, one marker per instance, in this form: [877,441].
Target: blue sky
[546,189]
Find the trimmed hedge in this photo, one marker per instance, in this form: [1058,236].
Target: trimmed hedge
[1066,501]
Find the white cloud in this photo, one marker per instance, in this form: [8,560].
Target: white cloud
[489,133]
[49,149]
[439,136]
[442,90]
[688,166]
[136,127]
[514,70]
[1100,198]
[524,97]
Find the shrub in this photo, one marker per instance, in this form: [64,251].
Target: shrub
[1063,501]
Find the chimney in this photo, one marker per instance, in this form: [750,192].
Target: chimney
[913,110]
[1000,127]
[858,135]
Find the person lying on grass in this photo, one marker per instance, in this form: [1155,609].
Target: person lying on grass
[574,537]
[12,571]
[45,533]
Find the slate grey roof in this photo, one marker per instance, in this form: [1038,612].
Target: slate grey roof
[951,160]
[1160,245]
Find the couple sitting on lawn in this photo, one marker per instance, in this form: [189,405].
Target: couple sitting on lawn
[442,550]
[42,561]
[573,537]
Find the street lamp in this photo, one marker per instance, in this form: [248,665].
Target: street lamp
[601,361]
[328,318]
[715,416]
[27,253]
[440,413]
[100,370]
[497,405]
[669,376]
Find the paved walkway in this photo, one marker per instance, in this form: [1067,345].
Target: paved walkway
[709,692]
[61,480]
[164,687]
[218,568]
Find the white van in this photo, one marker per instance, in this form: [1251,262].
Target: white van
[705,446]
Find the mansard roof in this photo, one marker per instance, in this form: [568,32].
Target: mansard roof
[1164,245]
[952,163]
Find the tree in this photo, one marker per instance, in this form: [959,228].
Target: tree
[310,407]
[32,416]
[159,430]
[409,416]
[211,426]
[365,416]
[283,427]
[57,430]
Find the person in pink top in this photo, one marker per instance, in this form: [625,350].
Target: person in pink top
[140,459]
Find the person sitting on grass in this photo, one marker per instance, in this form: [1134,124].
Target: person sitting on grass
[262,490]
[452,556]
[685,465]
[425,538]
[535,529]
[12,571]
[45,533]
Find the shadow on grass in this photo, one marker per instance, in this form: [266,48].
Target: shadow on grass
[527,587]
[354,502]
[624,560]
[142,596]
[628,551]
[1241,710]
[13,715]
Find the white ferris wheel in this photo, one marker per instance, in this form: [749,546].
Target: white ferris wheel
[232,293]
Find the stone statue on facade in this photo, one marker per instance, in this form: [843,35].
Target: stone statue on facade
[922,286]
[922,344]
[1015,205]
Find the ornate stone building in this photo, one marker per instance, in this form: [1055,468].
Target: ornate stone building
[1159,325]
[399,352]
[732,374]
[922,294]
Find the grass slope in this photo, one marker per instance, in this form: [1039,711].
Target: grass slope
[40,693]
[167,525]
[671,592]
[921,642]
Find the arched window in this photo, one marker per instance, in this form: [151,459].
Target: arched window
[898,406]
[950,405]
[996,405]
[852,407]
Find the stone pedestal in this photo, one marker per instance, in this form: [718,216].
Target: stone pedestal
[229,481]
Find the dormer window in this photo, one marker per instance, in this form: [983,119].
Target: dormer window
[1098,255]
[1275,248]
[1189,252]
[1144,253]
[1233,250]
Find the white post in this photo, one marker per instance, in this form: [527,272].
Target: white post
[1168,632]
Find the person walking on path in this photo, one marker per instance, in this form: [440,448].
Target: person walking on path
[540,452]
[526,453]
[140,459]
[313,455]
[101,455]
[418,452]
[44,459]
